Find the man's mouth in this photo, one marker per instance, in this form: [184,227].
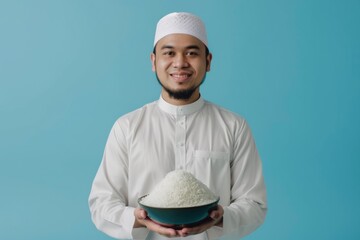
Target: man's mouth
[180,77]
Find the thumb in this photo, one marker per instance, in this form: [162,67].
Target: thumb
[140,213]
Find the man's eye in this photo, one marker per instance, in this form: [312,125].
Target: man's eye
[192,54]
[169,53]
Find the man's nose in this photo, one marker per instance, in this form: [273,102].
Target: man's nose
[180,61]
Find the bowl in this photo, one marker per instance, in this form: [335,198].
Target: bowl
[179,216]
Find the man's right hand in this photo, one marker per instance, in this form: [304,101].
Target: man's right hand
[142,220]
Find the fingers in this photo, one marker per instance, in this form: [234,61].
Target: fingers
[217,214]
[203,226]
[214,218]
[193,230]
[141,214]
[143,220]
[165,231]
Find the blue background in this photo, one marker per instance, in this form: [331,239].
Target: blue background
[70,68]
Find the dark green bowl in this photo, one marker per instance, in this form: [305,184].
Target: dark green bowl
[179,216]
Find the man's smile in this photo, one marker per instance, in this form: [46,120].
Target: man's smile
[180,77]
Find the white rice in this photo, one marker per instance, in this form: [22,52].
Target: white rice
[179,189]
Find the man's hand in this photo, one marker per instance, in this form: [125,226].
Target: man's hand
[214,219]
[142,220]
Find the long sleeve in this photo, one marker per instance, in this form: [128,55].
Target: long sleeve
[108,198]
[248,207]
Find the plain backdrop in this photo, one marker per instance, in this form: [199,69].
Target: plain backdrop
[70,68]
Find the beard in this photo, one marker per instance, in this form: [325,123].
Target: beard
[180,94]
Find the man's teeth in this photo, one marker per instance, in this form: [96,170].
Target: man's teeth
[180,75]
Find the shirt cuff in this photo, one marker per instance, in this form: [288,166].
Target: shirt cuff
[128,220]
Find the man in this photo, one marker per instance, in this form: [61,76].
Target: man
[179,131]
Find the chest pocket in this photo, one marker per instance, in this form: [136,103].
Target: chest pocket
[213,169]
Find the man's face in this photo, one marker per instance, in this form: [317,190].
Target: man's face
[180,63]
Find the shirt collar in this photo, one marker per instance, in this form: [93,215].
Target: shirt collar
[181,110]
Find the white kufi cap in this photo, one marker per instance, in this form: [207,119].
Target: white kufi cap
[181,22]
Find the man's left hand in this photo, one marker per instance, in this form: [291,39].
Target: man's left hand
[214,219]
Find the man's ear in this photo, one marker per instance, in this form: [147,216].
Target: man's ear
[208,62]
[152,59]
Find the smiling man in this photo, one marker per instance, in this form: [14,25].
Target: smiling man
[179,131]
[180,62]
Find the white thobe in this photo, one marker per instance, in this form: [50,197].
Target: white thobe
[212,143]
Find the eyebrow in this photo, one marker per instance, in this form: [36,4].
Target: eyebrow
[188,47]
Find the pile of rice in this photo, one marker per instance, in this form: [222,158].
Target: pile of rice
[179,189]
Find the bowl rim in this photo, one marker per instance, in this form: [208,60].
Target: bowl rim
[172,208]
